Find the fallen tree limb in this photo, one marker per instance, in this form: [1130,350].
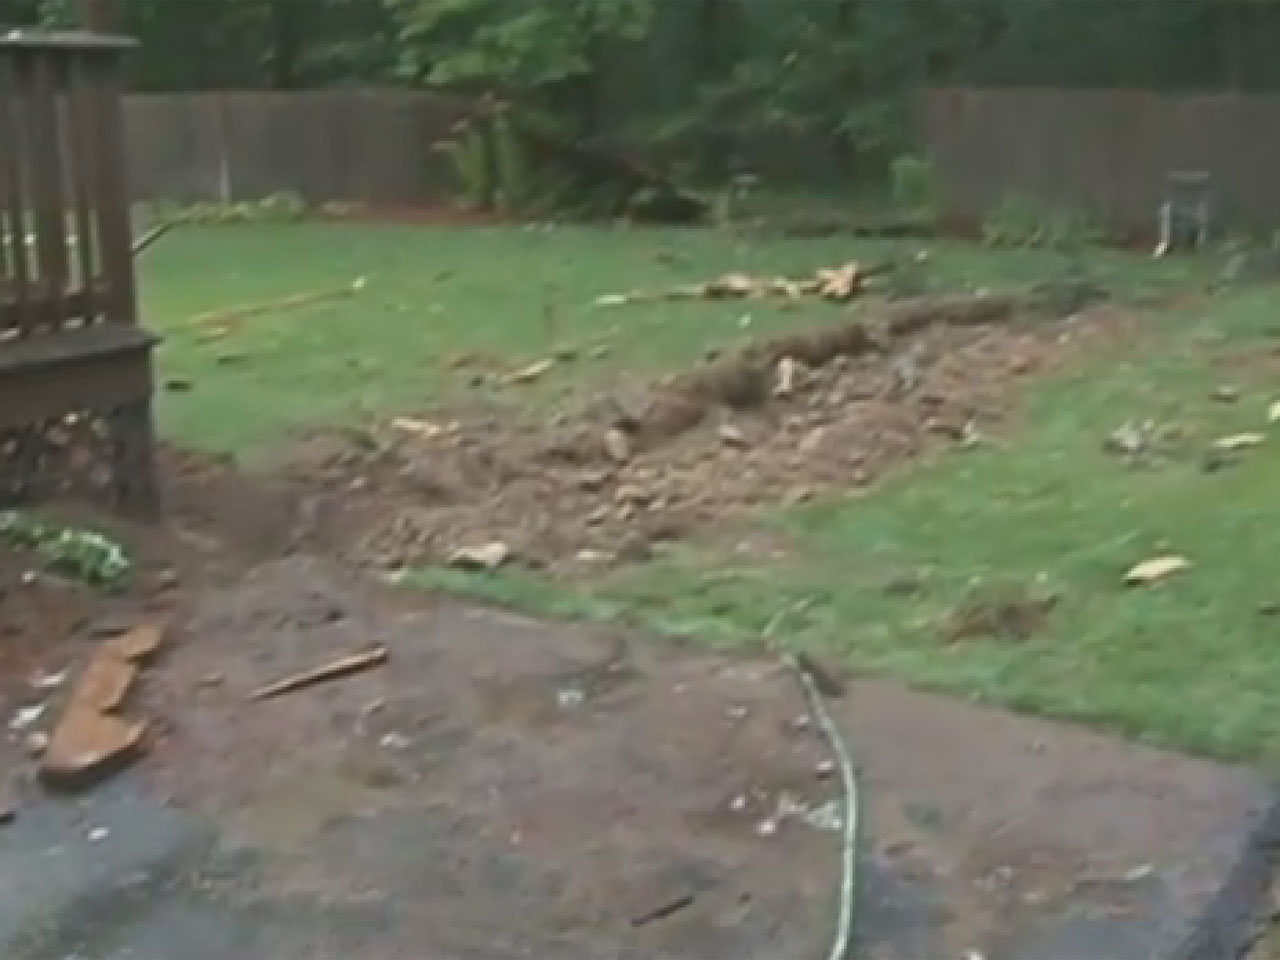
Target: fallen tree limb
[151,236]
[294,301]
[334,670]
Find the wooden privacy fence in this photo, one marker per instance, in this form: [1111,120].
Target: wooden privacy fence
[371,146]
[75,367]
[1105,153]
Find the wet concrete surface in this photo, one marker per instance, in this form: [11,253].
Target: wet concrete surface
[511,788]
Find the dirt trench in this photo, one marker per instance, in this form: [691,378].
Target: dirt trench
[777,423]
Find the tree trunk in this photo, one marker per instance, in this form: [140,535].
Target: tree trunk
[286,43]
[98,16]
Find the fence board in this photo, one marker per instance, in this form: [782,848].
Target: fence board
[1103,152]
[371,146]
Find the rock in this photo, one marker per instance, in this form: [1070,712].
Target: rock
[167,579]
[104,683]
[1125,440]
[598,516]
[731,436]
[25,717]
[35,744]
[137,645]
[88,746]
[824,769]
[617,445]
[788,374]
[1226,394]
[635,495]
[812,440]
[593,480]
[484,557]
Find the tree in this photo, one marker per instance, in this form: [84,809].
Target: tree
[541,49]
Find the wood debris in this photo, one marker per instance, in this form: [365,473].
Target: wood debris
[838,284]
[1239,441]
[90,741]
[485,557]
[88,745]
[333,670]
[1155,569]
[532,371]
[234,315]
[137,645]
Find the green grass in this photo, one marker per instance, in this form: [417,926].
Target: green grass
[1189,663]
[433,294]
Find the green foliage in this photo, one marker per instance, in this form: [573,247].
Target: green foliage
[911,182]
[511,43]
[1020,222]
[468,158]
[84,554]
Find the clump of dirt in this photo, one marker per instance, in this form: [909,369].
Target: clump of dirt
[1002,612]
[777,423]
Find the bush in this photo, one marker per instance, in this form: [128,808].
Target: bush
[911,183]
[1021,222]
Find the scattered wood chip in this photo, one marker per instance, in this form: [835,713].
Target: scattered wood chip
[731,436]
[88,745]
[419,428]
[1155,569]
[788,373]
[1273,412]
[333,670]
[485,557]
[532,372]
[617,445]
[1239,441]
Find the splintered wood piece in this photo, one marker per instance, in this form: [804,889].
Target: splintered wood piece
[335,669]
[138,644]
[105,682]
[87,746]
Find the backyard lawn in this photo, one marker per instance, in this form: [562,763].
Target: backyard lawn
[1192,662]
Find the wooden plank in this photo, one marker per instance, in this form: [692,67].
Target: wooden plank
[85,177]
[35,394]
[114,230]
[13,220]
[47,202]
